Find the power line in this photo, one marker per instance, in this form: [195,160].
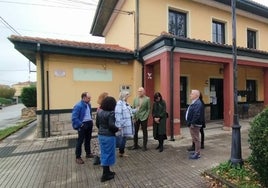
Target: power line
[9,26]
[43,5]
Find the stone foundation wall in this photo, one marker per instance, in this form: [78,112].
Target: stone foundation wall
[60,125]
[29,112]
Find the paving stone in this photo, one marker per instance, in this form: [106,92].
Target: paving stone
[51,162]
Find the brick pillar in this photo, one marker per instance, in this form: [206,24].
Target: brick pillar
[228,96]
[265,81]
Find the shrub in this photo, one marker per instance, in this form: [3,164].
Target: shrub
[5,101]
[7,92]
[28,96]
[258,140]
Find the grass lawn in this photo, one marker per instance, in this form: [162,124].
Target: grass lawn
[10,130]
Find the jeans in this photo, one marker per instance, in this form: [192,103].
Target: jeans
[84,134]
[121,143]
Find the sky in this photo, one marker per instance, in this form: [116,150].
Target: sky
[58,19]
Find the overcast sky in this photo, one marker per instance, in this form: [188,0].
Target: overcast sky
[59,19]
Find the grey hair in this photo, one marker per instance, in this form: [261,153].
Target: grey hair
[122,95]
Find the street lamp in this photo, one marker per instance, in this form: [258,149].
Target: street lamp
[236,156]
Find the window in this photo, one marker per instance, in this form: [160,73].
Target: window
[251,39]
[177,23]
[251,90]
[218,31]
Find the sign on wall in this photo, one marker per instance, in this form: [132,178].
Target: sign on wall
[99,75]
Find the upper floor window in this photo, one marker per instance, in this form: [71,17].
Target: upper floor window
[218,31]
[177,23]
[251,39]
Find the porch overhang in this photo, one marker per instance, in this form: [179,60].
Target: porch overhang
[29,47]
[167,41]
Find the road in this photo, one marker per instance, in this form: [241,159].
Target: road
[10,115]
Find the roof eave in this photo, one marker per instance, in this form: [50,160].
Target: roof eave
[248,6]
[102,16]
[30,50]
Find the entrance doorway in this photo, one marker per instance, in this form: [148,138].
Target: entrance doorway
[216,98]
[183,99]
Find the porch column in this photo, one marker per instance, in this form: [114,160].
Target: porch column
[165,90]
[228,90]
[265,80]
[165,84]
[177,95]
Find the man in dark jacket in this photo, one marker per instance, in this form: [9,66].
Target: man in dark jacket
[195,119]
[82,122]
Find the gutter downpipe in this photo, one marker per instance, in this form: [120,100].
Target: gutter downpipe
[137,31]
[172,90]
[48,106]
[42,89]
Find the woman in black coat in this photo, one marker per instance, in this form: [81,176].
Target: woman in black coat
[159,120]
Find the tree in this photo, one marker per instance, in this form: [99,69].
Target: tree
[28,96]
[7,92]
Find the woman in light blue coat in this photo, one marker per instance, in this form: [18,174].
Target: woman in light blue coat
[123,120]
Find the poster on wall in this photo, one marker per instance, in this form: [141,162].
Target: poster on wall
[99,75]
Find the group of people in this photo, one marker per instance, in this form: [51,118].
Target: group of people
[117,120]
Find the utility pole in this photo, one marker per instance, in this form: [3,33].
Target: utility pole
[236,156]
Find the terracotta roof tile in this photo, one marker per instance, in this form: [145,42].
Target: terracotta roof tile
[67,43]
[166,34]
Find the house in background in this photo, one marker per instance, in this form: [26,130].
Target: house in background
[167,46]
[18,87]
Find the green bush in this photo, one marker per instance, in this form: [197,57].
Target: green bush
[7,92]
[4,101]
[258,140]
[28,96]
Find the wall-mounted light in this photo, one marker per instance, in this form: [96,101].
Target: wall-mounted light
[221,70]
[123,62]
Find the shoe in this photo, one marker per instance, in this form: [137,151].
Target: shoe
[195,156]
[190,149]
[157,147]
[90,155]
[144,148]
[135,147]
[112,173]
[122,155]
[107,177]
[202,147]
[79,161]
[96,160]
[161,149]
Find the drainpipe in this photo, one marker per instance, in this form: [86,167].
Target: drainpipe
[42,89]
[48,106]
[137,44]
[172,90]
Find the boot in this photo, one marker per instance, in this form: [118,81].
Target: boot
[158,145]
[107,174]
[202,142]
[202,145]
[192,148]
[161,143]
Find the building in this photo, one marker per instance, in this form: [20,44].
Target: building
[18,87]
[171,47]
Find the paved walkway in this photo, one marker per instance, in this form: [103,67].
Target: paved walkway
[51,162]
